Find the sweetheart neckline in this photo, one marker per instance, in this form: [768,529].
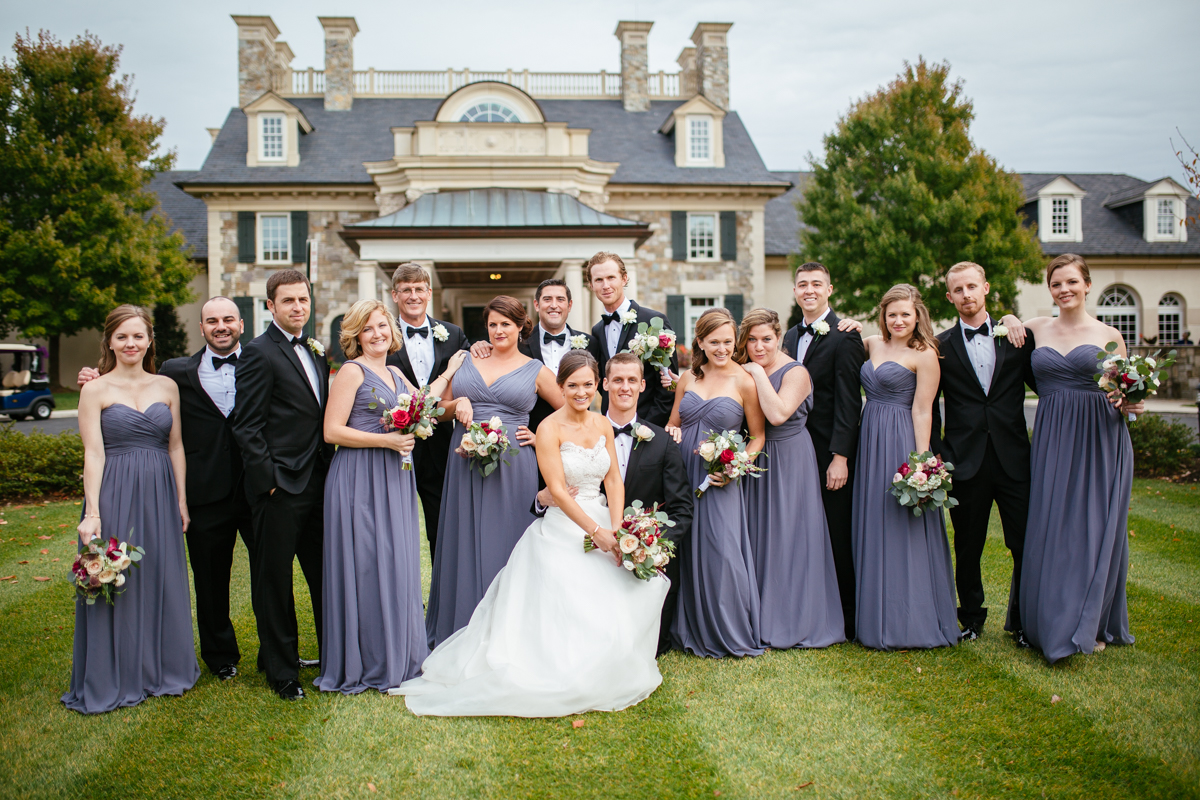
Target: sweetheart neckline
[138,410]
[710,399]
[1061,354]
[599,442]
[897,363]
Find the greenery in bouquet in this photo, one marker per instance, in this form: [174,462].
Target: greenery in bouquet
[644,551]
[923,481]
[99,568]
[486,444]
[653,344]
[413,413]
[1134,377]
[724,453]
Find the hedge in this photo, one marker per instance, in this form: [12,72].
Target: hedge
[36,464]
[1161,448]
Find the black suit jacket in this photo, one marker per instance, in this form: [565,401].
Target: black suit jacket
[214,460]
[655,402]
[833,362]
[972,416]
[437,445]
[278,421]
[532,347]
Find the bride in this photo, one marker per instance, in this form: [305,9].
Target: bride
[559,631]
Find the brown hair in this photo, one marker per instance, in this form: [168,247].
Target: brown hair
[114,320]
[756,317]
[513,309]
[622,358]
[810,266]
[1068,260]
[574,361]
[600,258]
[354,322]
[286,277]
[537,296]
[922,336]
[709,321]
[963,266]
[409,273]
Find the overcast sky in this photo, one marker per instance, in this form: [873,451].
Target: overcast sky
[1058,87]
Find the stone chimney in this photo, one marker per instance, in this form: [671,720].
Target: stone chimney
[283,67]
[257,60]
[712,61]
[687,72]
[339,62]
[635,93]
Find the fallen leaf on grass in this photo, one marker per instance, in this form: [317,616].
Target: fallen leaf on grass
[1054,699]
[371,786]
[3,522]
[54,559]
[44,538]
[918,669]
[40,578]
[9,578]
[577,723]
[805,785]
[45,552]
[22,562]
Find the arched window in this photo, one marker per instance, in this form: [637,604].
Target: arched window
[1119,307]
[1170,319]
[489,111]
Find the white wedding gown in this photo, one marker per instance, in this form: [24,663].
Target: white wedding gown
[558,632]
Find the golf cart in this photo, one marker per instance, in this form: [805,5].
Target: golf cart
[24,385]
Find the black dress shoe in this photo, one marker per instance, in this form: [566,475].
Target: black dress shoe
[227,672]
[1020,640]
[289,690]
[308,663]
[970,633]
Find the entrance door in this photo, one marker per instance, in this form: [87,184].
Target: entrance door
[473,324]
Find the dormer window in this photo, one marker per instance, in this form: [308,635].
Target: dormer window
[273,129]
[271,137]
[489,112]
[1060,216]
[700,140]
[1166,219]
[697,127]
[1059,211]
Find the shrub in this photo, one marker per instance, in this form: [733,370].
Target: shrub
[37,464]
[1160,447]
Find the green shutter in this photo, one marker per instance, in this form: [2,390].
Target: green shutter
[679,248]
[729,236]
[675,314]
[245,306]
[735,303]
[299,236]
[247,252]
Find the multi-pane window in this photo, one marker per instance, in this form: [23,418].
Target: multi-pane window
[1166,217]
[699,139]
[1170,319]
[1060,216]
[702,237]
[271,144]
[1118,308]
[696,306]
[274,238]
[489,112]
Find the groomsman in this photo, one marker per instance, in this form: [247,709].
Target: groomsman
[984,374]
[282,387]
[833,358]
[552,338]
[428,345]
[652,469]
[607,277]
[217,501]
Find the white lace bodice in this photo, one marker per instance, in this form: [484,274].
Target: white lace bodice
[584,467]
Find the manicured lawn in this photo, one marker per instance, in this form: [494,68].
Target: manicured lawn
[66,401]
[973,721]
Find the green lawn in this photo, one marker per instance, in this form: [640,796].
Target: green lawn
[66,401]
[973,721]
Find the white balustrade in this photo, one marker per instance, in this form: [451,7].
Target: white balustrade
[440,83]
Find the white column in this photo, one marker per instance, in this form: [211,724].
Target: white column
[631,289]
[368,272]
[573,275]
[758,261]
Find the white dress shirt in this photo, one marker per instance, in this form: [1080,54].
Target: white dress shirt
[981,350]
[420,350]
[612,331]
[219,384]
[805,340]
[307,359]
[553,352]
[624,443]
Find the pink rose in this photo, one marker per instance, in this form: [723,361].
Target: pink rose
[920,478]
[665,341]
[94,567]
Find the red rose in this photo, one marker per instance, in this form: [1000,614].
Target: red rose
[1128,380]
[905,469]
[664,341]
[400,418]
[727,456]
[650,539]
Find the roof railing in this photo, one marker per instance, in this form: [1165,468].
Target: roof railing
[440,83]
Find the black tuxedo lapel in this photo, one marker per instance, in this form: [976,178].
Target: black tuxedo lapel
[627,331]
[960,350]
[193,373]
[635,456]
[832,320]
[405,363]
[289,352]
[1000,345]
[535,343]
[441,351]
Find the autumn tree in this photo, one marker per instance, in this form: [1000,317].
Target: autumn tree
[902,193]
[78,234]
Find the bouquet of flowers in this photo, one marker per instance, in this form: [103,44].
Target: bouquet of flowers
[1135,377]
[653,344]
[99,570]
[643,550]
[486,443]
[923,480]
[725,454]
[415,414]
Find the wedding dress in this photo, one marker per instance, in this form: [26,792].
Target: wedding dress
[558,632]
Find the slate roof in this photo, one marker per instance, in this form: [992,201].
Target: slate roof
[184,212]
[496,208]
[781,220]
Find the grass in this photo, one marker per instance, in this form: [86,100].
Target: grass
[66,401]
[973,721]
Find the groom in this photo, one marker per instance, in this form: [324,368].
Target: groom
[651,467]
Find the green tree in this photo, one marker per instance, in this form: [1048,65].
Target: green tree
[78,235]
[170,338]
[903,193]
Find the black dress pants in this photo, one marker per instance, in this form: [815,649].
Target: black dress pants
[838,516]
[970,517]
[287,527]
[672,600]
[430,473]
[211,537]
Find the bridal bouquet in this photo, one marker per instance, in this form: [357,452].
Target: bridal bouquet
[1134,377]
[99,571]
[643,550]
[725,454]
[653,344]
[415,414]
[923,480]
[486,443]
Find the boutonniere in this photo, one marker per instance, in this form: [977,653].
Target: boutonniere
[316,347]
[642,433]
[1000,332]
[628,317]
[820,327]
[440,333]
[579,342]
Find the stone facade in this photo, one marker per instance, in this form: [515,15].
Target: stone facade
[339,62]
[712,61]
[635,65]
[1183,379]
[257,59]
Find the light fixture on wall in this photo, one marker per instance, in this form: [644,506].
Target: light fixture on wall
[495,276]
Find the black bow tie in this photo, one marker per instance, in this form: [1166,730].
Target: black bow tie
[626,430]
[547,338]
[971,333]
[806,329]
[422,332]
[613,317]
[219,362]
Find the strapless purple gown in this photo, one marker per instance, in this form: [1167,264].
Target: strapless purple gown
[142,646]
[1076,549]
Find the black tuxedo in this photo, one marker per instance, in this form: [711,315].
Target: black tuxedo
[655,402]
[532,347]
[833,361]
[429,455]
[987,441]
[217,506]
[279,423]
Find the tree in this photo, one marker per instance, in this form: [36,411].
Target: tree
[903,194]
[78,235]
[170,338]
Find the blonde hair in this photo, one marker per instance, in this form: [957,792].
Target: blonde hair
[922,336]
[963,266]
[117,317]
[756,317]
[356,319]
[1068,260]
[709,321]
[600,258]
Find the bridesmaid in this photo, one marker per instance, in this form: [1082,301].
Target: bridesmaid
[133,486]
[718,598]
[374,635]
[483,518]
[1076,553]
[793,557]
[901,562]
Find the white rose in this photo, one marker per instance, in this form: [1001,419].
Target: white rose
[820,327]
[1151,362]
[708,451]
[122,562]
[1000,331]
[897,478]
[931,462]
[493,437]
[468,444]
[424,431]
[644,432]
[107,576]
[404,401]
[629,565]
[628,543]
[659,558]
[119,581]
[495,422]
[629,317]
